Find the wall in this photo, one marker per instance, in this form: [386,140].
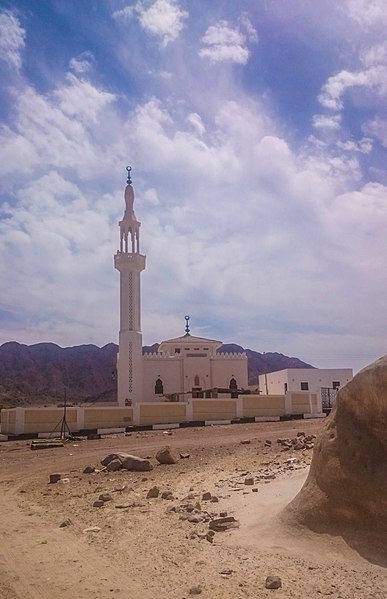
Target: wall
[167,368]
[18,421]
[263,405]
[226,366]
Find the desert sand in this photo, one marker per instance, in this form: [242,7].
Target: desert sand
[134,547]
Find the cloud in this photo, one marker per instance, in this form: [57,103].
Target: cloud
[374,78]
[323,121]
[367,12]
[83,63]
[164,18]
[225,43]
[12,39]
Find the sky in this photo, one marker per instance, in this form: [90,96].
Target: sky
[257,135]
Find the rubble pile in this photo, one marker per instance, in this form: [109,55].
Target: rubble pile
[301,441]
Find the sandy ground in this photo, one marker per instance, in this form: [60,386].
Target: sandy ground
[147,548]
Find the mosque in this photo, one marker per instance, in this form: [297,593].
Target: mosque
[184,367]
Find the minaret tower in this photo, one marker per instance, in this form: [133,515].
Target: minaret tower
[130,263]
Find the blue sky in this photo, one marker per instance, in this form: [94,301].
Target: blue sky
[257,134]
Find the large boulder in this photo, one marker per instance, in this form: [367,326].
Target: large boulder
[127,462]
[346,489]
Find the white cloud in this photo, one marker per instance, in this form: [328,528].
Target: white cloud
[367,12]
[83,63]
[12,39]
[323,121]
[374,78]
[222,42]
[377,127]
[163,18]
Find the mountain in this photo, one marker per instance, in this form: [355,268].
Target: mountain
[44,372]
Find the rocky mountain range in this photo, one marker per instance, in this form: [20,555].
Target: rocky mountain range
[41,374]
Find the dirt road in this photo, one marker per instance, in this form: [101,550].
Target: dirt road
[142,548]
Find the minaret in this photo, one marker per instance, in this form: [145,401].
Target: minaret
[130,263]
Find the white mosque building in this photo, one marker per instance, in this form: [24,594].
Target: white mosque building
[184,367]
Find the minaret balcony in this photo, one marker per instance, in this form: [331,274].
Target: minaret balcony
[123,260]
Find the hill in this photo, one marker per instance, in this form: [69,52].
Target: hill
[42,373]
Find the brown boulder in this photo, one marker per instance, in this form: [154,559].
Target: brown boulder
[165,456]
[346,489]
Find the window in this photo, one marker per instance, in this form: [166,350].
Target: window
[336,384]
[233,384]
[159,387]
[304,386]
[177,350]
[196,381]
[286,387]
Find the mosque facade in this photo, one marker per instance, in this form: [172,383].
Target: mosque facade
[183,367]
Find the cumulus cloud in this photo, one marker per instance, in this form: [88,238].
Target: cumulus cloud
[223,42]
[374,79]
[164,18]
[12,39]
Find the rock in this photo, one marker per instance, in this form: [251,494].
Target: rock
[167,495]
[206,496]
[223,524]
[249,481]
[105,497]
[196,590]
[214,499]
[132,462]
[267,442]
[299,445]
[114,465]
[63,481]
[245,442]
[210,536]
[301,435]
[91,529]
[165,456]
[184,456]
[255,490]
[89,470]
[65,523]
[273,582]
[55,477]
[153,492]
[195,519]
[98,503]
[346,489]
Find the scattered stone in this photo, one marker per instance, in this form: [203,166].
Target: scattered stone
[210,536]
[223,524]
[55,477]
[91,529]
[196,590]
[136,464]
[165,456]
[206,496]
[127,461]
[267,442]
[153,492]
[214,499]
[65,523]
[63,481]
[89,470]
[114,465]
[249,481]
[194,519]
[105,497]
[245,442]
[255,490]
[167,495]
[98,503]
[184,456]
[169,433]
[273,582]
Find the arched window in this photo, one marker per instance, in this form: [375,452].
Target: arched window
[159,387]
[196,381]
[233,384]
